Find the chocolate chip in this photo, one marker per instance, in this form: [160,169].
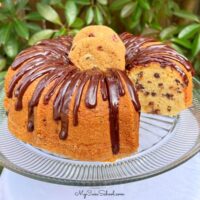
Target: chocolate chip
[128,66]
[139,86]
[91,35]
[157,75]
[156,111]
[153,94]
[183,85]
[160,84]
[149,82]
[168,95]
[140,75]
[178,90]
[87,58]
[169,108]
[146,93]
[151,103]
[177,81]
[100,48]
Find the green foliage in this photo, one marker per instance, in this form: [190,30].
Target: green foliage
[48,13]
[24,23]
[41,35]
[71,12]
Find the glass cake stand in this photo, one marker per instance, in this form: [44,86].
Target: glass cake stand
[165,143]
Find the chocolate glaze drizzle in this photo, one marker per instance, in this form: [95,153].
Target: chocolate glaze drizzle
[49,62]
[137,54]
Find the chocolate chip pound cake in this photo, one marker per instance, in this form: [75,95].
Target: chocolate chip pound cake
[76,97]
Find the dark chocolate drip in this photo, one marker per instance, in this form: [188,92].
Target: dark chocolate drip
[30,125]
[31,66]
[75,81]
[103,87]
[78,97]
[131,90]
[37,94]
[119,84]
[113,95]
[20,90]
[61,94]
[48,60]
[137,54]
[91,94]
[52,90]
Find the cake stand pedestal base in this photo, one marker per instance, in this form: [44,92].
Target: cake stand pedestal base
[181,183]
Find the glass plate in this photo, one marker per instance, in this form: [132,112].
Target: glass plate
[164,144]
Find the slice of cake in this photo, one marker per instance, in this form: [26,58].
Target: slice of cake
[162,77]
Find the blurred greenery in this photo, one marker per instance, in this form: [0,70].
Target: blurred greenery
[24,23]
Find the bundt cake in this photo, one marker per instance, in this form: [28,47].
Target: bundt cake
[76,97]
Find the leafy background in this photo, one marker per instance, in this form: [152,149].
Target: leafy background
[23,22]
